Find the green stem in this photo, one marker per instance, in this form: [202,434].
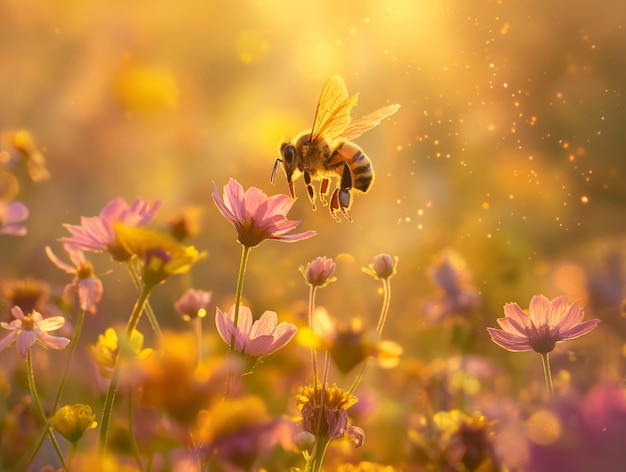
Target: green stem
[149,311]
[131,431]
[245,254]
[242,272]
[71,347]
[312,293]
[33,391]
[547,373]
[112,391]
[68,360]
[316,461]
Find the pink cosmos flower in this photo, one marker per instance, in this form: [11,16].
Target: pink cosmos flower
[193,304]
[85,283]
[257,217]
[11,217]
[547,322]
[260,338]
[97,233]
[30,329]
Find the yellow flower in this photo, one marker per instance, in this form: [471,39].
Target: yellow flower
[108,347]
[71,421]
[161,253]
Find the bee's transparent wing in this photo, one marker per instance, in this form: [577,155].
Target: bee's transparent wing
[359,126]
[333,110]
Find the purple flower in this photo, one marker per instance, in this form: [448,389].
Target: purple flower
[193,304]
[11,217]
[30,329]
[548,322]
[98,234]
[85,283]
[260,338]
[257,217]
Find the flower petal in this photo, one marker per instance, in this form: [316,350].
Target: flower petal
[509,341]
[539,310]
[24,341]
[515,321]
[59,263]
[264,325]
[7,340]
[578,330]
[571,315]
[54,342]
[50,324]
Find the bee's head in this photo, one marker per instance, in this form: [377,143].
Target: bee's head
[288,160]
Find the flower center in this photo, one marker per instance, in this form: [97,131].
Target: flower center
[28,323]
[542,339]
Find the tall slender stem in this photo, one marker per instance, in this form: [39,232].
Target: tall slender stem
[312,293]
[77,329]
[385,308]
[198,332]
[154,323]
[547,373]
[238,292]
[33,391]
[245,254]
[112,391]
[68,360]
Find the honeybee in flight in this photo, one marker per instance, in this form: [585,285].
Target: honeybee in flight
[327,150]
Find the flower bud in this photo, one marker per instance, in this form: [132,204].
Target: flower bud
[318,272]
[383,266]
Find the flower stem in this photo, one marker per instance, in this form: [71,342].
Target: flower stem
[385,308]
[547,373]
[131,431]
[245,254]
[33,391]
[312,292]
[68,360]
[71,347]
[149,311]
[112,391]
[242,272]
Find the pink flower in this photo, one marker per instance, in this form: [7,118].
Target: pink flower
[85,283]
[547,323]
[193,304]
[97,233]
[11,217]
[318,273]
[30,329]
[260,338]
[257,217]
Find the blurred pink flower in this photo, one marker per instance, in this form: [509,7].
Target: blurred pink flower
[193,303]
[85,283]
[260,338]
[318,272]
[97,233]
[11,217]
[257,217]
[548,322]
[32,328]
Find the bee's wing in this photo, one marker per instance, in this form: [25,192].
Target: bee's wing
[333,110]
[359,126]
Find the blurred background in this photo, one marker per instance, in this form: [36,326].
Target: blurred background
[508,148]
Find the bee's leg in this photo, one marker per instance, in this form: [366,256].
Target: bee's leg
[309,187]
[324,187]
[342,198]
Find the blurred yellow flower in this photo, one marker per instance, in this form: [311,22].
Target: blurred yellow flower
[71,421]
[109,346]
[161,253]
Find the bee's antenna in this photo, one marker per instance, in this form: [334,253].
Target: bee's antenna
[273,175]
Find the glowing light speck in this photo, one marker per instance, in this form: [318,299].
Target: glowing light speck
[584,199]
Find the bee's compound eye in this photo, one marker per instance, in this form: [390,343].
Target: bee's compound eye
[289,154]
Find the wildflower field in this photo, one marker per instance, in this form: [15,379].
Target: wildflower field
[351,236]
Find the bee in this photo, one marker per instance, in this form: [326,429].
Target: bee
[327,151]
